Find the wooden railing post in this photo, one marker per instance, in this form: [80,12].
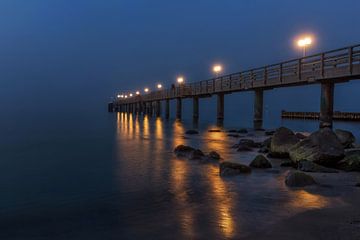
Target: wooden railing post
[322,65]
[281,72]
[265,75]
[299,68]
[350,60]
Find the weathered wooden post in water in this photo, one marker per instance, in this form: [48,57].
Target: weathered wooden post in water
[326,104]
[220,108]
[178,108]
[195,108]
[258,108]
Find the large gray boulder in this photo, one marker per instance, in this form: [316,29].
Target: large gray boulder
[260,162]
[231,169]
[351,162]
[346,138]
[299,179]
[282,140]
[322,147]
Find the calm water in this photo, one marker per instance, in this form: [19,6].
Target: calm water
[114,176]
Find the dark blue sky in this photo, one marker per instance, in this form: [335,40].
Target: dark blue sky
[78,53]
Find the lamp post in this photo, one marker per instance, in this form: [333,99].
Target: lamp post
[180,80]
[217,69]
[146,90]
[159,86]
[303,43]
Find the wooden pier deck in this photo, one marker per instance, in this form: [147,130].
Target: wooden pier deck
[327,69]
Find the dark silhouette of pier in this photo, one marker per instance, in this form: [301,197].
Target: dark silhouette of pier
[326,69]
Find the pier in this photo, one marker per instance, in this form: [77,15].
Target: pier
[326,69]
[343,116]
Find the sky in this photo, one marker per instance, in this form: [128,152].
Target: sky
[61,56]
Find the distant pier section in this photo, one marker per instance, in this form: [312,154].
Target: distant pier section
[337,115]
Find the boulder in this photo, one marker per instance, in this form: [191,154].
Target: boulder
[357,185]
[307,166]
[260,162]
[241,147]
[231,169]
[190,132]
[214,155]
[231,131]
[250,143]
[346,138]
[299,179]
[234,135]
[300,136]
[267,143]
[197,154]
[214,130]
[351,162]
[242,130]
[282,140]
[263,150]
[269,132]
[183,151]
[322,147]
[288,163]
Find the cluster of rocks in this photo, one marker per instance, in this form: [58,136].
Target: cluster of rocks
[323,151]
[195,154]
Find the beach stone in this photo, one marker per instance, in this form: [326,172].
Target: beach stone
[232,131]
[250,143]
[346,138]
[242,130]
[267,143]
[214,130]
[197,154]
[241,147]
[322,147]
[269,132]
[351,162]
[263,150]
[300,136]
[299,179]
[282,140]
[214,155]
[183,151]
[190,132]
[288,163]
[234,135]
[231,169]
[260,162]
[307,166]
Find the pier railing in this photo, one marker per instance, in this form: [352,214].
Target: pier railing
[337,65]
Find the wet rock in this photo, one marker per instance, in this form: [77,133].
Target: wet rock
[263,150]
[183,151]
[260,162]
[214,130]
[351,162]
[307,166]
[267,143]
[282,140]
[197,154]
[269,132]
[234,135]
[214,155]
[241,147]
[242,130]
[232,131]
[288,163]
[299,179]
[250,135]
[231,169]
[300,136]
[357,185]
[346,138]
[191,132]
[322,147]
[250,143]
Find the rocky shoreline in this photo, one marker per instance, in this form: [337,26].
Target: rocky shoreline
[323,151]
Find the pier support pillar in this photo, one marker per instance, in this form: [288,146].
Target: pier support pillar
[196,108]
[150,109]
[220,108]
[167,108]
[258,108]
[158,108]
[178,108]
[326,105]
